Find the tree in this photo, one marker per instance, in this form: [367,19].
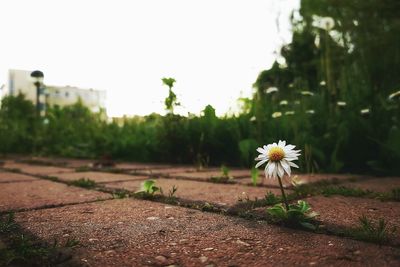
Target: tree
[170,100]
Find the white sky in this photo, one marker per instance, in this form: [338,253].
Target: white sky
[213,48]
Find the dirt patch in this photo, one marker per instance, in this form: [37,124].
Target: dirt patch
[40,193]
[221,194]
[98,177]
[140,233]
[6,177]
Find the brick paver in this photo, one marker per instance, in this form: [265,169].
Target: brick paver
[98,177]
[385,184]
[6,177]
[222,194]
[205,175]
[35,169]
[40,193]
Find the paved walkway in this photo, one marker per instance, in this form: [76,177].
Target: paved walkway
[105,230]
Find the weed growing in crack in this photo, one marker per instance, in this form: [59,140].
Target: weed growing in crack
[84,183]
[147,189]
[298,215]
[254,176]
[172,191]
[7,224]
[395,194]
[119,194]
[224,177]
[376,232]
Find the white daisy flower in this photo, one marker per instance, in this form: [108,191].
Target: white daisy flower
[253,118]
[283,103]
[364,111]
[341,103]
[306,93]
[276,114]
[271,90]
[310,111]
[291,112]
[322,83]
[394,95]
[279,158]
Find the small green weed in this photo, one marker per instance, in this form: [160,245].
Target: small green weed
[224,178]
[7,224]
[84,183]
[172,191]
[298,215]
[395,194]
[147,189]
[271,199]
[376,232]
[254,176]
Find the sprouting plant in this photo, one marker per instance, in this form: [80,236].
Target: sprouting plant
[225,171]
[148,188]
[70,243]
[395,194]
[254,176]
[7,223]
[271,198]
[299,214]
[172,191]
[371,231]
[84,182]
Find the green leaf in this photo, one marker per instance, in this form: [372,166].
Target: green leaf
[277,211]
[308,225]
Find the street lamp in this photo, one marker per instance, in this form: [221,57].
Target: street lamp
[37,76]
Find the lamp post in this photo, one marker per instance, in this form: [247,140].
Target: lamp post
[37,76]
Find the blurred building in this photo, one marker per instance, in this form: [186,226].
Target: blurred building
[20,81]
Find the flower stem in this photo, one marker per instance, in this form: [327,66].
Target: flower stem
[283,194]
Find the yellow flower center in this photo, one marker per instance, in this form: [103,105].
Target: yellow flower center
[276,154]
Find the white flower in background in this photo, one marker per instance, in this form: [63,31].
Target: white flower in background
[279,158]
[341,103]
[310,111]
[291,112]
[271,90]
[306,93]
[297,102]
[283,103]
[326,23]
[394,95]
[364,111]
[276,114]
[322,83]
[290,85]
[253,118]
